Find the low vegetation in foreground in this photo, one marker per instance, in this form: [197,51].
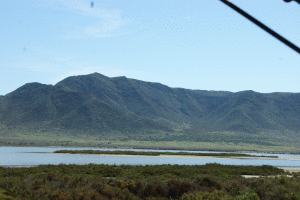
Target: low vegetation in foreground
[149,153]
[210,181]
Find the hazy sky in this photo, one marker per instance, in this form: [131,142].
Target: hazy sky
[193,44]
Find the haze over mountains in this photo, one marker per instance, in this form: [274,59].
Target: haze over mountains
[97,104]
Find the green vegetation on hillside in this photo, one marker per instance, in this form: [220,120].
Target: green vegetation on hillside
[210,181]
[31,138]
[126,110]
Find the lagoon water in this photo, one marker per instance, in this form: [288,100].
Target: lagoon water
[27,156]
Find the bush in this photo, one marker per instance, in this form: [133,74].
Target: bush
[155,188]
[209,181]
[216,195]
[178,188]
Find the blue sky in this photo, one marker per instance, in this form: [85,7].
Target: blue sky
[193,44]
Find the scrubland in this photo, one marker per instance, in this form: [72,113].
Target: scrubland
[210,181]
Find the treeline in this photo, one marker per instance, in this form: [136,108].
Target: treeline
[151,153]
[211,181]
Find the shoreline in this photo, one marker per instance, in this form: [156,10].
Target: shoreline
[175,149]
[188,156]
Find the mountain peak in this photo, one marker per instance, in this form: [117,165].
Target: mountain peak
[29,87]
[82,82]
[97,75]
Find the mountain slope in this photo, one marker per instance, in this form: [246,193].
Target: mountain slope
[97,104]
[28,104]
[3,106]
[41,106]
[252,112]
[146,99]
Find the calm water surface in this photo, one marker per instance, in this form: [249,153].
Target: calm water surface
[44,156]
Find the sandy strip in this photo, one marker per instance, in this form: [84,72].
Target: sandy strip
[190,156]
[227,157]
[257,176]
[19,166]
[286,169]
[290,169]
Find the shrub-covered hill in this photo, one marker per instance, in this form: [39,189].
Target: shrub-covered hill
[98,104]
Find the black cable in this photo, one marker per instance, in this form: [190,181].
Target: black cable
[261,25]
[298,1]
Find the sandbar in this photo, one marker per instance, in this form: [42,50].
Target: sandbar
[190,156]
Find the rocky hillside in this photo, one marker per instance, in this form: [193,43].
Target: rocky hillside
[100,104]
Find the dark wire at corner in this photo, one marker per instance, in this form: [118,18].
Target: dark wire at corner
[261,25]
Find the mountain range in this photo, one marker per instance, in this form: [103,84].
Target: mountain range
[97,104]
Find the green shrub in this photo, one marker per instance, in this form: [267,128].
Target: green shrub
[155,188]
[215,195]
[209,181]
[3,195]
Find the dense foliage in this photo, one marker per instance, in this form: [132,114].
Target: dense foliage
[211,181]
